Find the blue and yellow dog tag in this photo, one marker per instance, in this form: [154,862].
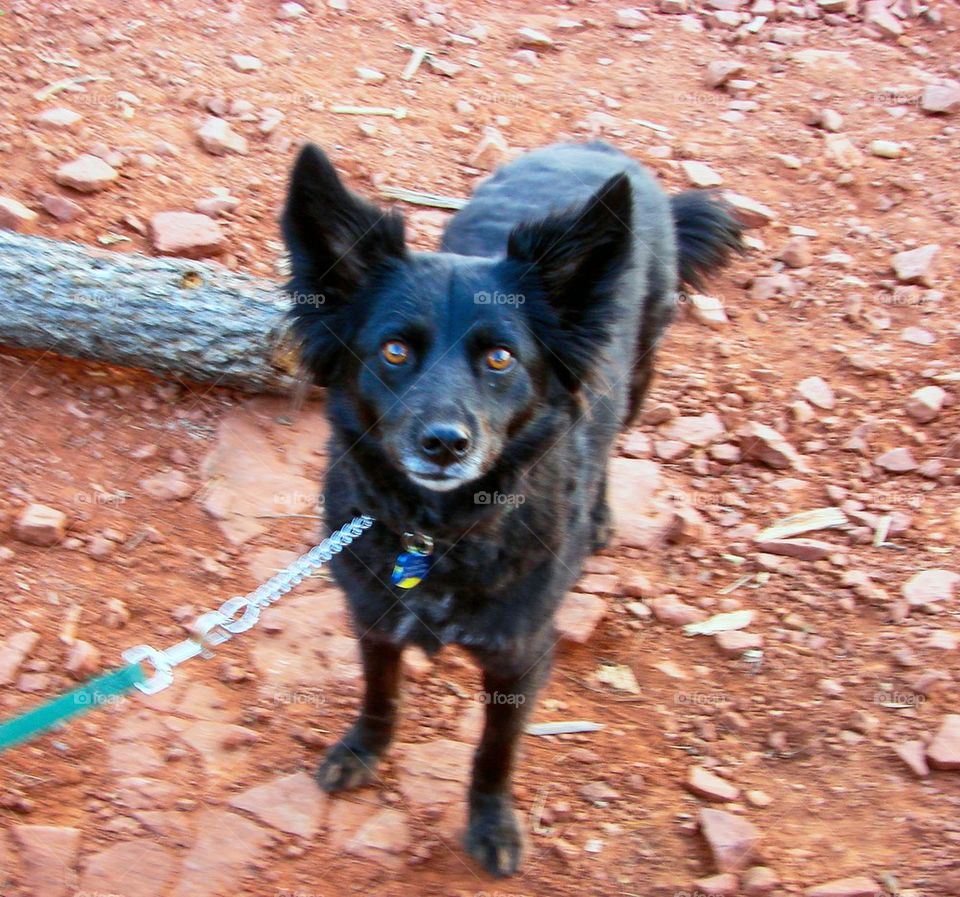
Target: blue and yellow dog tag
[414,563]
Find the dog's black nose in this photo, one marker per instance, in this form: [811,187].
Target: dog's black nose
[444,443]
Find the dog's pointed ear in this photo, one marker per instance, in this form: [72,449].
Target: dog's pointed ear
[574,260]
[576,250]
[333,235]
[336,240]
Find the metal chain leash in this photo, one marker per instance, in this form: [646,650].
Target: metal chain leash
[241,613]
[213,628]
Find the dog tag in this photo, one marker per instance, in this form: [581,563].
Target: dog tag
[413,564]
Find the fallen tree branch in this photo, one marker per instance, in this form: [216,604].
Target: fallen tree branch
[165,315]
[65,84]
[419,198]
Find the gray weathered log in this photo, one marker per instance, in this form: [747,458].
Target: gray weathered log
[169,316]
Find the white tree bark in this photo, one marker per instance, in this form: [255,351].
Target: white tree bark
[166,315]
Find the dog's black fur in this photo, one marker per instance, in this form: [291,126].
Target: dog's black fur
[569,258]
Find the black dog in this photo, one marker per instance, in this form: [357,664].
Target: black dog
[474,395]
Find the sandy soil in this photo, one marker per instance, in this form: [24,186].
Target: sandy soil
[159,796]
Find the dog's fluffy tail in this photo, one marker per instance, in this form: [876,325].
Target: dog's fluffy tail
[708,233]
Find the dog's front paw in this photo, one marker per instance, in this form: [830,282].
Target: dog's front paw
[493,836]
[347,765]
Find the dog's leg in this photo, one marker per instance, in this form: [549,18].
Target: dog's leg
[600,523]
[493,835]
[659,309]
[640,382]
[352,761]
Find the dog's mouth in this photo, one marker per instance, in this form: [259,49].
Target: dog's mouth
[441,478]
[437,482]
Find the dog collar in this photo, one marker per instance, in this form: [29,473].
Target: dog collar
[414,562]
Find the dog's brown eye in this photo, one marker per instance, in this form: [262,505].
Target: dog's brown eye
[499,359]
[394,352]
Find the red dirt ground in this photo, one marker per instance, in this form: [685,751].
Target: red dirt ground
[844,675]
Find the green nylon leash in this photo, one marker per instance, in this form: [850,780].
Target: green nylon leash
[236,615]
[95,693]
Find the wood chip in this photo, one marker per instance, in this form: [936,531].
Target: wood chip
[52,89]
[68,63]
[68,632]
[804,522]
[882,531]
[416,60]
[737,619]
[567,728]
[418,198]
[651,125]
[398,112]
[619,677]
[736,584]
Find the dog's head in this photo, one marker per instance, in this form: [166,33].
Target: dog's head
[442,359]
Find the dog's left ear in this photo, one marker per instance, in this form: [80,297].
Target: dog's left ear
[575,259]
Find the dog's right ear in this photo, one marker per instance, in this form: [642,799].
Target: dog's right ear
[574,260]
[335,239]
